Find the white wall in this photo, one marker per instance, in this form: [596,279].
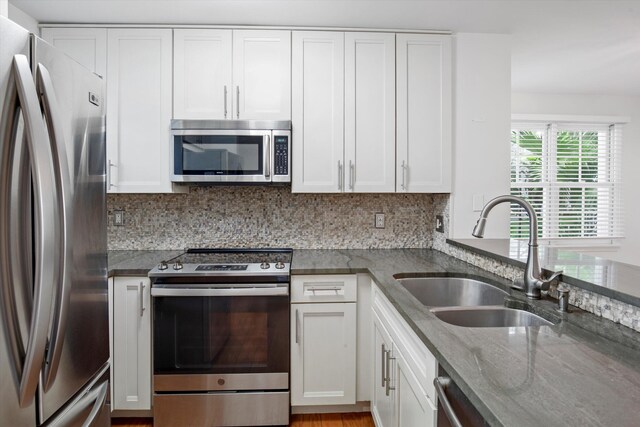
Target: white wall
[21,18]
[482,120]
[4,7]
[528,103]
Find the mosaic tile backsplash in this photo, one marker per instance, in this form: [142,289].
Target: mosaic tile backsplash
[270,217]
[274,217]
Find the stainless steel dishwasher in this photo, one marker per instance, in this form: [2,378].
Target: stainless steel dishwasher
[454,408]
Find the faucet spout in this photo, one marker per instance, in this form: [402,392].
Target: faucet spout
[533,280]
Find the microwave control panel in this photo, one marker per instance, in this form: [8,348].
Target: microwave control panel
[281,155]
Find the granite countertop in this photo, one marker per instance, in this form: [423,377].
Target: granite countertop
[552,375]
[583,371]
[136,263]
[616,280]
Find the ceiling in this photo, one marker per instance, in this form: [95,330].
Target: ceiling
[570,46]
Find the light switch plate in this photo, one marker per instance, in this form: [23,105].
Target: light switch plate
[439,224]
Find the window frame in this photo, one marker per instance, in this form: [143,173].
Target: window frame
[550,124]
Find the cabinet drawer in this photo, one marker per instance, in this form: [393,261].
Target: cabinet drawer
[324,288]
[418,358]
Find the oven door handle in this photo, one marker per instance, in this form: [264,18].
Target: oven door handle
[233,292]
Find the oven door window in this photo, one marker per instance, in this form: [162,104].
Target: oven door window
[219,154]
[219,335]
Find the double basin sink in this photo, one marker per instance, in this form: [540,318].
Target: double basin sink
[468,302]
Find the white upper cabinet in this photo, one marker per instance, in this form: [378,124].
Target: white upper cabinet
[370,112]
[262,74]
[88,46]
[343,93]
[232,74]
[423,160]
[139,110]
[202,81]
[318,111]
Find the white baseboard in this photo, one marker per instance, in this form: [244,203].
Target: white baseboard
[332,409]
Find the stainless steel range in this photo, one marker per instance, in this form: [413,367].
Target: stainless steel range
[221,338]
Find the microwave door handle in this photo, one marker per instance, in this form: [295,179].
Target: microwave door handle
[267,162]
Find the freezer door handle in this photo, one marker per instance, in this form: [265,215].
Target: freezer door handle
[50,108]
[22,95]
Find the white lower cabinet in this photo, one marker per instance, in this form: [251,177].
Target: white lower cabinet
[415,409]
[131,343]
[403,394]
[323,340]
[383,408]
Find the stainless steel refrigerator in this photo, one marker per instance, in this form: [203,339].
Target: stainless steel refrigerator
[54,339]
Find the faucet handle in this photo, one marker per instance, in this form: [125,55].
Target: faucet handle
[517,284]
[551,280]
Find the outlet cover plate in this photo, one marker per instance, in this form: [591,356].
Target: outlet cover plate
[118,217]
[379,220]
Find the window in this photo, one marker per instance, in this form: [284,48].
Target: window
[570,173]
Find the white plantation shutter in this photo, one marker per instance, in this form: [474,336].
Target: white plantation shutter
[571,174]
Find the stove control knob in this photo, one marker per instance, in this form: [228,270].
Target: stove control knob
[163,265]
[264,265]
[177,265]
[280,265]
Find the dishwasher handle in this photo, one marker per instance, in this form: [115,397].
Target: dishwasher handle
[441,383]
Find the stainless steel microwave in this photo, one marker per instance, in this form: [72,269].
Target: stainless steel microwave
[231,151]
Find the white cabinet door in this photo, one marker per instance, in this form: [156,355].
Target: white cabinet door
[423,161]
[323,354]
[383,408]
[262,74]
[131,362]
[370,104]
[202,80]
[318,112]
[414,407]
[88,46]
[139,110]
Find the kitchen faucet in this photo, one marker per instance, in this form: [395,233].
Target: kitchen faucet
[533,281]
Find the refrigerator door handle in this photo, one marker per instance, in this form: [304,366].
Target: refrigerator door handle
[50,109]
[22,95]
[96,396]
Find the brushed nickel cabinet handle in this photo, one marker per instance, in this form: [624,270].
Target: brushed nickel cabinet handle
[382,365]
[141,293]
[351,173]
[297,326]
[237,102]
[225,101]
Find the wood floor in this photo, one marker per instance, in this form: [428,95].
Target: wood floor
[360,419]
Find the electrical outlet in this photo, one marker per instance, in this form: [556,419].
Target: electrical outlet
[118,217]
[439,224]
[379,221]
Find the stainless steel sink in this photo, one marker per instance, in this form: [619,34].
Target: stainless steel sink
[489,317]
[452,291]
